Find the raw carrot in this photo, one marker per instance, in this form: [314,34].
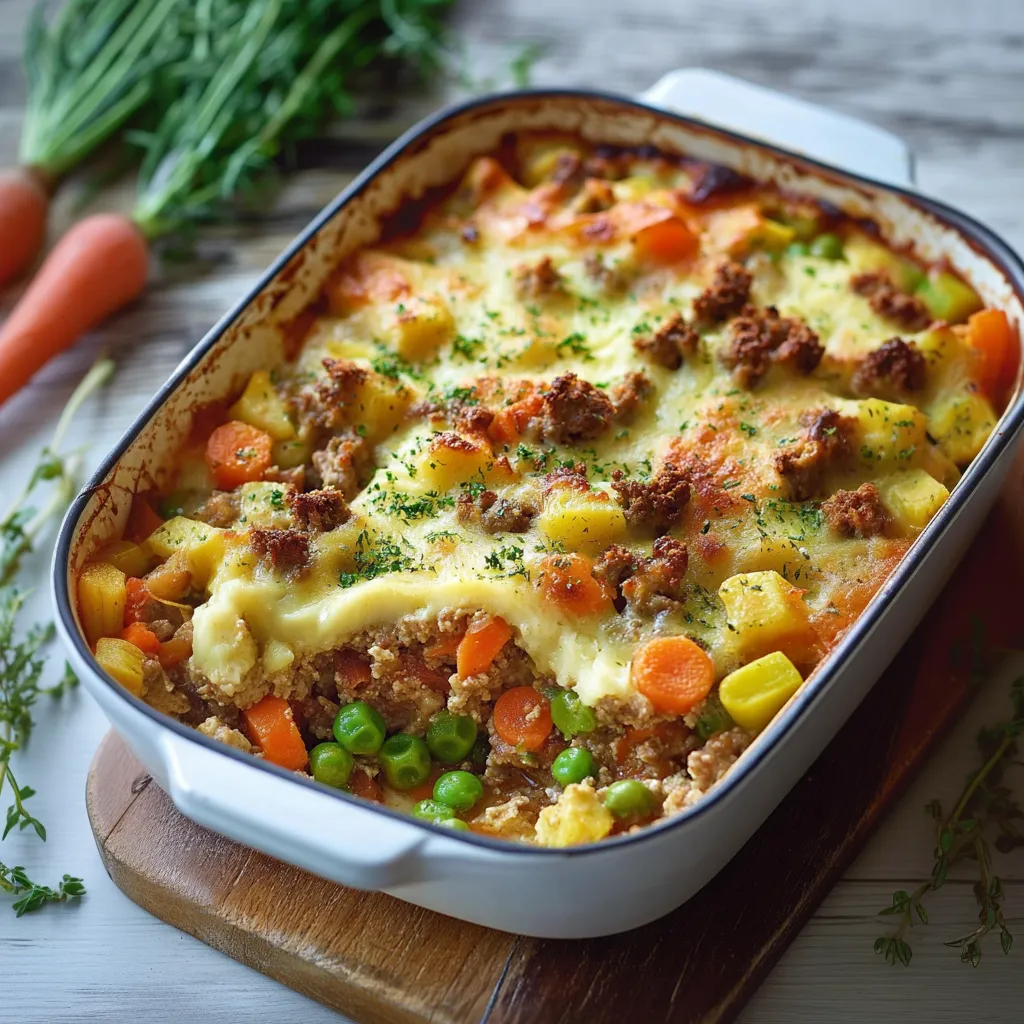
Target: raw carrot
[668,241]
[139,634]
[522,718]
[989,333]
[24,203]
[238,453]
[566,581]
[673,673]
[272,727]
[351,670]
[174,651]
[480,646]
[99,266]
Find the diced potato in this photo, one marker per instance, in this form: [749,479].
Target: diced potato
[889,431]
[277,656]
[864,255]
[754,694]
[961,422]
[582,522]
[202,547]
[131,559]
[380,404]
[122,661]
[289,454]
[101,600]
[577,817]
[261,407]
[451,459]
[948,298]
[741,229]
[912,498]
[765,613]
[631,188]
[421,326]
[263,504]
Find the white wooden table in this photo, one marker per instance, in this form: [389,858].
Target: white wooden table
[948,76]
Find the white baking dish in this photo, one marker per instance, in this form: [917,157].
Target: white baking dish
[623,882]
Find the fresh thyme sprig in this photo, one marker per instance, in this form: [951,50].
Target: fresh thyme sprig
[985,804]
[21,664]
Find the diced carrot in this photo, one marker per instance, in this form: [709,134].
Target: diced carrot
[351,670]
[511,421]
[480,646]
[423,673]
[522,718]
[361,785]
[673,673]
[143,520]
[567,582]
[238,453]
[136,596]
[272,728]
[989,333]
[141,636]
[669,241]
[446,647]
[175,651]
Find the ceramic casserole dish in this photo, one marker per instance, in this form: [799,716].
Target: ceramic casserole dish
[631,879]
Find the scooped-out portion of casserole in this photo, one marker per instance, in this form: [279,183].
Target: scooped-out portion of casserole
[564,494]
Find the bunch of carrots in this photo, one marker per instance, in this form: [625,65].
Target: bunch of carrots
[206,98]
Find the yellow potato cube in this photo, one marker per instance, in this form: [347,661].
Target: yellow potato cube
[582,522]
[864,255]
[202,547]
[912,498]
[578,817]
[123,661]
[289,454]
[961,423]
[261,407]
[764,613]
[277,656]
[451,459]
[380,405]
[889,431]
[101,600]
[131,559]
[421,326]
[755,694]
[264,504]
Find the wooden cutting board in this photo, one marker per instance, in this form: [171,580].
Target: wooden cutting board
[381,961]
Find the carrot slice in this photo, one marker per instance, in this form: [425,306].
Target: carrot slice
[567,582]
[673,673]
[141,636]
[480,646]
[272,726]
[989,333]
[668,241]
[522,718]
[238,453]
[174,651]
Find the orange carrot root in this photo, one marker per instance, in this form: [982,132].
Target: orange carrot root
[24,204]
[99,266]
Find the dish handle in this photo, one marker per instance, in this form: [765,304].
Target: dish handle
[793,124]
[272,813]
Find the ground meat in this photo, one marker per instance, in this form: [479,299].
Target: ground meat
[760,338]
[657,583]
[510,819]
[858,513]
[657,504]
[315,715]
[669,345]
[216,729]
[537,280]
[162,629]
[572,476]
[294,477]
[888,301]
[319,511]
[574,410]
[707,765]
[220,509]
[896,367]
[727,294]
[471,419]
[615,566]
[331,396]
[340,465]
[494,514]
[630,394]
[282,549]
[827,442]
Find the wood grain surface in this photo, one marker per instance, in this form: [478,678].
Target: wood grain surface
[382,961]
[947,75]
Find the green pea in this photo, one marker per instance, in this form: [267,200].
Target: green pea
[797,249]
[628,797]
[458,789]
[712,719]
[451,737]
[455,824]
[431,810]
[359,728]
[405,760]
[827,247]
[330,764]
[570,715]
[481,750]
[574,764]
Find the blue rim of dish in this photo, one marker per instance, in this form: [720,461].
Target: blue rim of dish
[1007,429]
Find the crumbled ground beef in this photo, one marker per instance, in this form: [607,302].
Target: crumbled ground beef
[573,476]
[670,344]
[908,311]
[804,464]
[727,294]
[657,583]
[494,514]
[896,367]
[574,410]
[858,513]
[631,393]
[760,338]
[615,566]
[282,549]
[328,400]
[656,504]
[319,511]
[537,280]
[341,464]
[220,509]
